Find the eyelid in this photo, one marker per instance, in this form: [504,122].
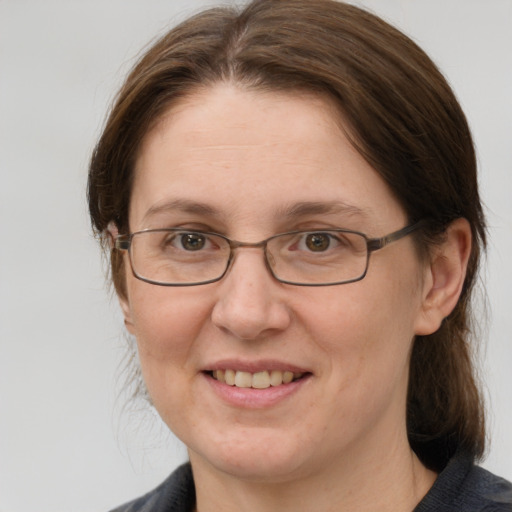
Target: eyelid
[322,226]
[192,227]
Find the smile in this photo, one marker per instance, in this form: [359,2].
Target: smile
[258,380]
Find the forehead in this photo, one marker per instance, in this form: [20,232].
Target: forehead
[232,118]
[243,153]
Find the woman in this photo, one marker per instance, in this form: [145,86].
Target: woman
[290,198]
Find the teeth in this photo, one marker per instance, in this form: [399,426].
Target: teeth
[287,377]
[276,378]
[258,380]
[243,380]
[229,377]
[219,375]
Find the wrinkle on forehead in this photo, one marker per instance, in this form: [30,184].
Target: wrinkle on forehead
[254,157]
[289,211]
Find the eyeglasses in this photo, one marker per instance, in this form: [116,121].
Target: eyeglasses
[318,257]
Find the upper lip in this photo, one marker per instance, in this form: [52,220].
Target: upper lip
[255,366]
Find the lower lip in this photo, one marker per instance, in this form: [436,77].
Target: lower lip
[251,398]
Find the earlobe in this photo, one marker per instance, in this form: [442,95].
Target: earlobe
[127,314]
[445,277]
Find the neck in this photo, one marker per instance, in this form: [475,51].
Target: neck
[389,479]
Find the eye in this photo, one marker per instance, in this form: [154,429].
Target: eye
[320,246]
[192,241]
[317,242]
[186,241]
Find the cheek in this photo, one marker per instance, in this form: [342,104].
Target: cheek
[366,328]
[166,322]
[167,326]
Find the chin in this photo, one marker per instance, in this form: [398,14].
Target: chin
[261,460]
[261,471]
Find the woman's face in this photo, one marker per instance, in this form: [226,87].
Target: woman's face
[250,165]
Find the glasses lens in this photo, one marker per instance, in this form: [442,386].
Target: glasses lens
[318,257]
[178,257]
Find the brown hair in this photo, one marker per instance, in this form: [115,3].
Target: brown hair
[402,117]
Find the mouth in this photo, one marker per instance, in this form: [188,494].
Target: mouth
[258,380]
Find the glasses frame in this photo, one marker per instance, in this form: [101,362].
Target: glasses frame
[124,243]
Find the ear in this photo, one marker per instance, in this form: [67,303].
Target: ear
[127,314]
[444,277]
[112,233]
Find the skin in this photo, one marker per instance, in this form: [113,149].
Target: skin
[338,442]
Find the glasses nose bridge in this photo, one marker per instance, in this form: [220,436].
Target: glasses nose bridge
[235,244]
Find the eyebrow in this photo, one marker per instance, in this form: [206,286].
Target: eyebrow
[289,212]
[305,208]
[183,205]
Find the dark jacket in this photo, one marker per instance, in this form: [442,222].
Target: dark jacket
[460,487]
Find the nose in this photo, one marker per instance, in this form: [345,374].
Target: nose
[250,302]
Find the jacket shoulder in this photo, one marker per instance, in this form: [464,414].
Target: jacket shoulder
[175,494]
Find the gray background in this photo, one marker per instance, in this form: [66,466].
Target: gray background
[64,445]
